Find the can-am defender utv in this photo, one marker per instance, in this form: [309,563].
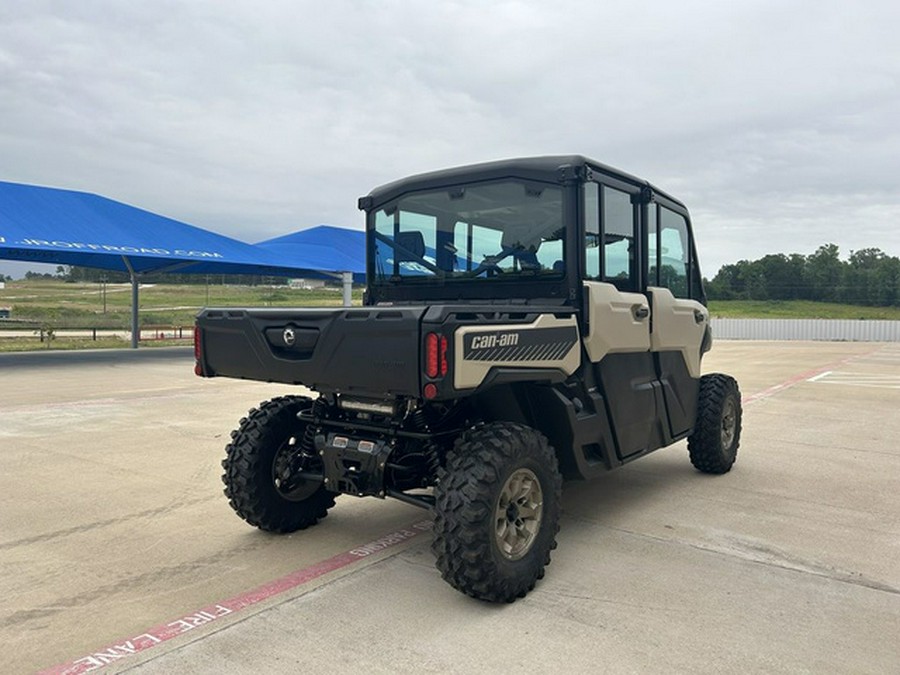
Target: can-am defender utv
[525,321]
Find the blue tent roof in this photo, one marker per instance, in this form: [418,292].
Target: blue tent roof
[49,225]
[322,247]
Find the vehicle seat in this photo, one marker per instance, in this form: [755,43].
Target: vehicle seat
[410,246]
[527,260]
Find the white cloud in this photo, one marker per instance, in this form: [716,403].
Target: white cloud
[775,122]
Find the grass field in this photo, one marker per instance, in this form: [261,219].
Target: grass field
[57,305]
[798,309]
[63,305]
[28,344]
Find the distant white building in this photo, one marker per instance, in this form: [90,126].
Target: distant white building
[306,284]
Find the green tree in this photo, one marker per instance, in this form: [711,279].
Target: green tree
[825,269]
[872,277]
[869,277]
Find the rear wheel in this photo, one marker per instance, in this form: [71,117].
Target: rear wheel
[270,481]
[497,511]
[714,444]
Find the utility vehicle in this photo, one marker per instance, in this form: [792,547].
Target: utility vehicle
[525,321]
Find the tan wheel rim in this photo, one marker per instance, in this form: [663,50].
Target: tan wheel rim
[729,423]
[517,518]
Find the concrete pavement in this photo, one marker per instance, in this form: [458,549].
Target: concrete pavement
[112,524]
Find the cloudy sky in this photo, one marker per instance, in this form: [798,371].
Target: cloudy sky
[777,122]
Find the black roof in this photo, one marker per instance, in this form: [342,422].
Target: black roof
[548,167]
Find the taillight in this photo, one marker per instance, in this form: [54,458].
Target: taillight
[198,369]
[196,343]
[431,354]
[435,355]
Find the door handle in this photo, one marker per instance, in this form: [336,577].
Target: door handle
[640,312]
[698,316]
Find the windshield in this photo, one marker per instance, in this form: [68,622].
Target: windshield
[484,231]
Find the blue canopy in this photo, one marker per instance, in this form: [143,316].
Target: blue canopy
[49,225]
[323,247]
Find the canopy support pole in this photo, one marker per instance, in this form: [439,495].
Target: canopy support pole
[135,286]
[347,278]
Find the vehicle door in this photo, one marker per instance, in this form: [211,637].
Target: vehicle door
[679,319]
[617,339]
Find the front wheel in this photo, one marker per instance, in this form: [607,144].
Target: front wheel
[714,443]
[497,511]
[270,481]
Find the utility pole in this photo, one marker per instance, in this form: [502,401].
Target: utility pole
[103,280]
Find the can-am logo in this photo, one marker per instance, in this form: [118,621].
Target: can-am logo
[495,340]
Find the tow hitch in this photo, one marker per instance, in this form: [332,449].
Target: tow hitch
[354,466]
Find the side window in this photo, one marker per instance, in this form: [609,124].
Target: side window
[618,239]
[674,253]
[592,230]
[652,246]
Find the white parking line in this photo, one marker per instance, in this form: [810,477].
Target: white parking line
[878,380]
[876,385]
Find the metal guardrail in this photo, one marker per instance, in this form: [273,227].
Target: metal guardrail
[167,333]
[40,331]
[834,330]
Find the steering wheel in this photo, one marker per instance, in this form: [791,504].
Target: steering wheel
[490,262]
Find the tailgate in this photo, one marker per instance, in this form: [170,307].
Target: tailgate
[373,351]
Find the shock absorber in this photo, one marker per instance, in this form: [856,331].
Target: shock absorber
[430,450]
[307,443]
[419,420]
[433,460]
[290,469]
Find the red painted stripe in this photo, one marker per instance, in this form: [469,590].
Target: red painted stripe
[802,377]
[123,649]
[787,384]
